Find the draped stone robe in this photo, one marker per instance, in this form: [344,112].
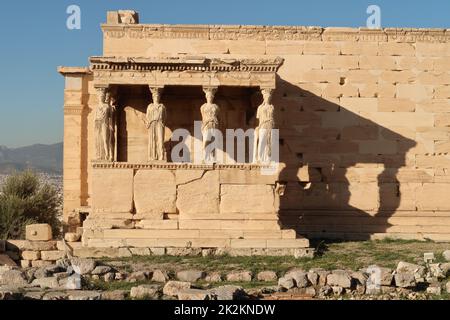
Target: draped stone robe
[156,119]
[263,143]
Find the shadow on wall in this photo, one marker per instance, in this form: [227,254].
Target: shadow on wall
[340,168]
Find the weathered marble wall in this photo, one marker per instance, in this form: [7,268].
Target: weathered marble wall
[363,116]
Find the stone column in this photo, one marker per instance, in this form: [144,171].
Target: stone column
[75,143]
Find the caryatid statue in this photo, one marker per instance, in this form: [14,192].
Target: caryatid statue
[103,124]
[156,123]
[111,100]
[210,122]
[262,148]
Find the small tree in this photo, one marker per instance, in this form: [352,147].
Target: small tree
[25,199]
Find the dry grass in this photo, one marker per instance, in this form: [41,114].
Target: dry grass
[343,255]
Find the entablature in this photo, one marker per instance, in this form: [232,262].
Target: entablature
[186,70]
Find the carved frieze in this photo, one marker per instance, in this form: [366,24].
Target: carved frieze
[262,33]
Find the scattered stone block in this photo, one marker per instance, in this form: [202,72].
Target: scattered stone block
[300,278]
[322,275]
[115,295]
[379,276]
[434,289]
[213,277]
[228,292]
[13,278]
[145,292]
[417,270]
[339,278]
[190,275]
[405,280]
[160,276]
[71,283]
[239,276]
[313,277]
[359,278]
[194,294]
[46,283]
[82,266]
[436,271]
[286,282]
[38,232]
[267,276]
[138,276]
[172,288]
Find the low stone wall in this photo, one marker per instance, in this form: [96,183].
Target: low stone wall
[43,253]
[70,279]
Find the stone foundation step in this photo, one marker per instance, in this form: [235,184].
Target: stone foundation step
[189,233]
[201,234]
[198,243]
[230,224]
[173,224]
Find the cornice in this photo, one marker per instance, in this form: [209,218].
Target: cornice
[185,63]
[247,32]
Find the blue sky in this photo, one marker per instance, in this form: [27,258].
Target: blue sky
[35,41]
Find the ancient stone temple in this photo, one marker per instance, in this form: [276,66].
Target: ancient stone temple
[361,137]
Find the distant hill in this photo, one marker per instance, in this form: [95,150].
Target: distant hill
[40,157]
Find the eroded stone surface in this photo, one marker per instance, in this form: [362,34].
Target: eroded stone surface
[247,198]
[199,196]
[158,200]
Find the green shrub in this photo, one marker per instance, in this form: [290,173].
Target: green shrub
[24,200]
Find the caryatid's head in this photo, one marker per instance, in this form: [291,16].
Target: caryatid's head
[113,100]
[210,93]
[107,97]
[156,94]
[267,95]
[101,95]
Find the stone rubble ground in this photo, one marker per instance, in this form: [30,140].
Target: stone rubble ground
[69,279]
